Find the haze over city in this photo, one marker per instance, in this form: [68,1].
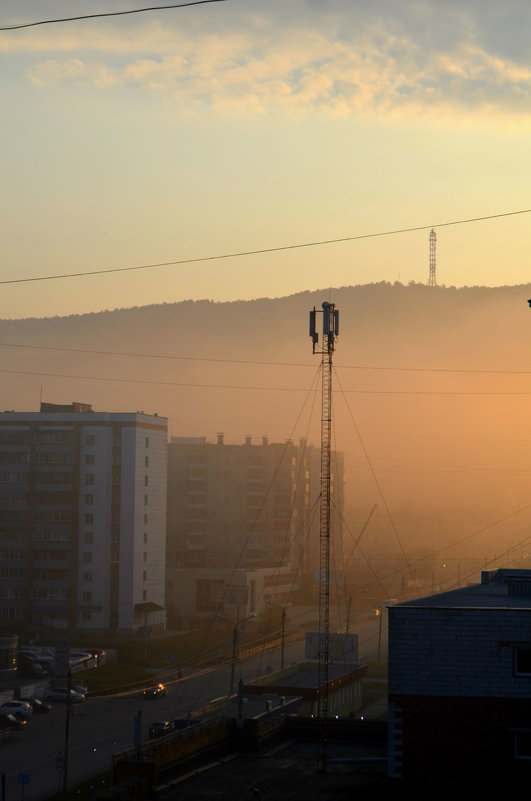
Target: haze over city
[236,126]
[190,494]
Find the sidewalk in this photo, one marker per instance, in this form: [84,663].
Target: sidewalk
[376,710]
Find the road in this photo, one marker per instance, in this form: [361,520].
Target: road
[102,726]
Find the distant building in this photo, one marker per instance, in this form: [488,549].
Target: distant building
[248,506]
[82,519]
[236,593]
[460,682]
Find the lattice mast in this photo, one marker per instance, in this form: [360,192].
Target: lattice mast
[432,281]
[330,321]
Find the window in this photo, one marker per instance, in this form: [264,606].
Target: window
[88,518]
[144,595]
[89,500]
[89,479]
[522,744]
[522,661]
[90,439]
[146,481]
[145,536]
[144,575]
[86,615]
[145,556]
[147,442]
[146,500]
[88,537]
[87,557]
[146,461]
[89,458]
[87,576]
[86,596]
[145,519]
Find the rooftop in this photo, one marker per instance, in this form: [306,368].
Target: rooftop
[304,676]
[499,589]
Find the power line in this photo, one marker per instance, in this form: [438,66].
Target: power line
[240,386]
[106,14]
[476,532]
[239,254]
[155,355]
[376,481]
[148,381]
[173,357]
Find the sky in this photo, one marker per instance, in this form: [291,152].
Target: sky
[246,125]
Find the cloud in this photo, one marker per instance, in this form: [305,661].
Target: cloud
[50,71]
[387,65]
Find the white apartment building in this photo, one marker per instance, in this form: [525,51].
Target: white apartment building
[82,519]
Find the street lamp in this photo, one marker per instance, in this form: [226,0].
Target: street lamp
[282,631]
[235,637]
[380,615]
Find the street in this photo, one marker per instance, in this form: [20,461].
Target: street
[100,727]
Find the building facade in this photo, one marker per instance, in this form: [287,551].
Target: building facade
[460,682]
[234,593]
[82,519]
[250,505]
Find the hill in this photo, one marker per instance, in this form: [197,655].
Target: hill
[430,400]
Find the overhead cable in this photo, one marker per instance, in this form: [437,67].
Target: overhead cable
[239,254]
[106,14]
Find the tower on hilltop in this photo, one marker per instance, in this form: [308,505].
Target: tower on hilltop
[432,281]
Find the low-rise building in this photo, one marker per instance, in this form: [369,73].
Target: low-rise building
[460,682]
[202,593]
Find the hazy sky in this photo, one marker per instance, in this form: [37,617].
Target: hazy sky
[251,124]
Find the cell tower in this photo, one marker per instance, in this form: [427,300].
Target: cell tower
[326,349]
[432,281]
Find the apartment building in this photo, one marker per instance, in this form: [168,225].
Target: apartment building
[249,505]
[82,519]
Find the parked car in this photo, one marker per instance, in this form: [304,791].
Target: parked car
[75,685]
[20,709]
[158,691]
[9,721]
[161,727]
[38,705]
[33,669]
[61,694]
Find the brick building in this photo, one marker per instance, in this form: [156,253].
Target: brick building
[460,682]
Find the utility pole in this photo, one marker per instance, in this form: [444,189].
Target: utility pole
[330,322]
[282,638]
[234,657]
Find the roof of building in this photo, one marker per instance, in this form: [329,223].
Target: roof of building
[79,413]
[499,589]
[304,676]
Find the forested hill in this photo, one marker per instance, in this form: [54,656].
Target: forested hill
[428,375]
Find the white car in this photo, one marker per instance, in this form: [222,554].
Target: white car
[61,694]
[20,709]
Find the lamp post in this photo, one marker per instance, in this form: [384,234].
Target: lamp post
[380,615]
[67,728]
[282,631]
[235,645]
